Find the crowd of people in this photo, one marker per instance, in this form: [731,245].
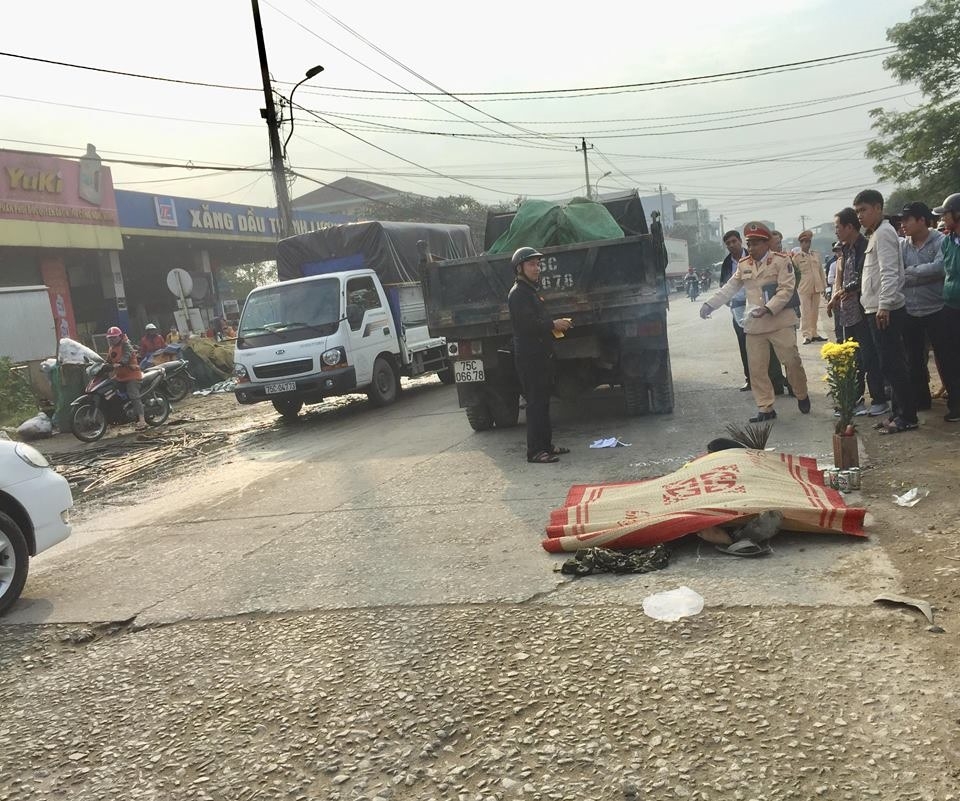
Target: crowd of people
[893,290]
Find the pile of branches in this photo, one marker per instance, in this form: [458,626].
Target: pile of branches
[149,455]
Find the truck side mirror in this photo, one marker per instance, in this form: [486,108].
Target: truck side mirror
[354,315]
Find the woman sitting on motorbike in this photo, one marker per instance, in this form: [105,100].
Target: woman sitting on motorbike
[126,371]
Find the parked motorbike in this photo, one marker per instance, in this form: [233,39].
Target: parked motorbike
[177,382]
[104,402]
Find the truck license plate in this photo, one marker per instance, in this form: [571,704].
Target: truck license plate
[466,371]
[286,386]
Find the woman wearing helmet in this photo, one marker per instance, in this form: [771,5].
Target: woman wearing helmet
[151,341]
[126,371]
[533,353]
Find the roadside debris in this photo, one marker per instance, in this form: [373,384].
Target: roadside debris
[609,442]
[100,468]
[672,605]
[603,560]
[911,497]
[902,600]
[223,386]
[37,427]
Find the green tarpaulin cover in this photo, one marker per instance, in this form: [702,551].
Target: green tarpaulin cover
[542,224]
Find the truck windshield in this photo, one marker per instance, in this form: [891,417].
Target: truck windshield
[290,312]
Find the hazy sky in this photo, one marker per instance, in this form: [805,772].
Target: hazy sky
[775,163]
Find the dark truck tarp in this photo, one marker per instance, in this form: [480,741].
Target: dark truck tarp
[626,210]
[389,248]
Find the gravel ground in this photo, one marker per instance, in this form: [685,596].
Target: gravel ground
[485,702]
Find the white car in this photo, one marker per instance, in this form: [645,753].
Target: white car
[35,504]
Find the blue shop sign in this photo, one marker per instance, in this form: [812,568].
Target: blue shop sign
[142,210]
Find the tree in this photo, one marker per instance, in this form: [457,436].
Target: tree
[705,254]
[920,149]
[236,282]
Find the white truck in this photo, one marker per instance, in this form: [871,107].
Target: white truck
[338,322]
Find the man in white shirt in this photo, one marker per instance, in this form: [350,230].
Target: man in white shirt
[884,304]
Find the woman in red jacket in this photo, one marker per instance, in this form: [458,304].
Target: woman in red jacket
[126,370]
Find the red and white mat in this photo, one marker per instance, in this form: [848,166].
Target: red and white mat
[711,490]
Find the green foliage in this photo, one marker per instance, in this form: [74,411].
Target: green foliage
[920,149]
[237,282]
[17,402]
[705,254]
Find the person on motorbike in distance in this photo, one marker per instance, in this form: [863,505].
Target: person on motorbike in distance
[126,371]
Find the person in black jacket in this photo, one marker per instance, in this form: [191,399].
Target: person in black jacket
[533,353]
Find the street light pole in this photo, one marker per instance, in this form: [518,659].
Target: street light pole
[269,113]
[309,74]
[596,185]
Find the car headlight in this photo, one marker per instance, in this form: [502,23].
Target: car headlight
[239,371]
[332,357]
[31,455]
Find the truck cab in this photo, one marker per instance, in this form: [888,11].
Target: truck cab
[302,340]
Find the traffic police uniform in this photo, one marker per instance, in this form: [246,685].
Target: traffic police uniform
[769,284]
[811,282]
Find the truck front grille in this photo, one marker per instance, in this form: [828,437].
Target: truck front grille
[283,368]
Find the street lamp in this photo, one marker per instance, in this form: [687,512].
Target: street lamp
[596,184]
[309,74]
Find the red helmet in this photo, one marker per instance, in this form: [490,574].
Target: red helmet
[113,332]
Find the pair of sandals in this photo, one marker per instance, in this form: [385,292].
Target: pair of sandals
[548,457]
[895,425]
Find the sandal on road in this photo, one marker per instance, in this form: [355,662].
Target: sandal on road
[544,457]
[558,450]
[897,426]
[745,548]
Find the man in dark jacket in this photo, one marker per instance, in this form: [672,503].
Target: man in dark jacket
[533,333]
[734,245]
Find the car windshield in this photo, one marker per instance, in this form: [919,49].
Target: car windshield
[289,312]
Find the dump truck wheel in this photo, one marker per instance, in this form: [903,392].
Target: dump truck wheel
[662,390]
[637,397]
[479,417]
[386,383]
[505,408]
[288,408]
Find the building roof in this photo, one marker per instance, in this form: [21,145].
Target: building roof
[345,191]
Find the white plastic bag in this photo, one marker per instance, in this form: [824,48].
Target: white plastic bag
[673,604]
[73,352]
[36,427]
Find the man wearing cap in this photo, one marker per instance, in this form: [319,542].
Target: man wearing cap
[923,291]
[949,211]
[810,285]
[770,318]
[533,353]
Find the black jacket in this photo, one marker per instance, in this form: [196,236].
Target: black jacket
[532,326]
[728,268]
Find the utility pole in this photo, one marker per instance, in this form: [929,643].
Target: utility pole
[269,113]
[586,166]
[660,188]
[722,229]
[803,222]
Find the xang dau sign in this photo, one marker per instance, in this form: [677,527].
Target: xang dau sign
[203,219]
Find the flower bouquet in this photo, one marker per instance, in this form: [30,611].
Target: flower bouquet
[841,359]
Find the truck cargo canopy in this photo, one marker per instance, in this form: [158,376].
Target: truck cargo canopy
[389,248]
[543,223]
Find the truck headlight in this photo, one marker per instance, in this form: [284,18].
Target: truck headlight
[333,357]
[239,371]
[31,455]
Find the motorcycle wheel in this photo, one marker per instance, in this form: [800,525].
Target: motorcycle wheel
[156,409]
[88,423]
[178,387]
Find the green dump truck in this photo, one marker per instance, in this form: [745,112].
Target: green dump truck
[613,289]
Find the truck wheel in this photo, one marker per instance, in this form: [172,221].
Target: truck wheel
[505,408]
[446,375]
[386,383]
[637,397]
[14,562]
[662,390]
[288,408]
[479,417]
